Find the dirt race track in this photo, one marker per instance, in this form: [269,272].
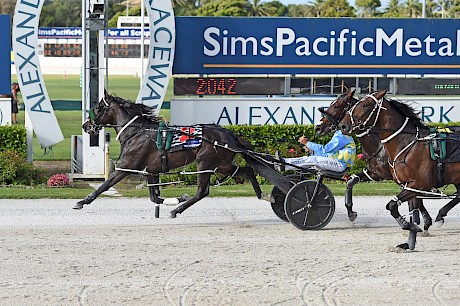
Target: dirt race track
[222,251]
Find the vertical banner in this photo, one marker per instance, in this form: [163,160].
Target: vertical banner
[30,78]
[161,53]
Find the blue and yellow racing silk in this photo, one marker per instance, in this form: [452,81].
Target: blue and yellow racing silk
[340,147]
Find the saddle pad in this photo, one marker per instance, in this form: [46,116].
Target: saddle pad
[186,137]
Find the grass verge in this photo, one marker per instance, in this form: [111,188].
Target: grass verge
[244,190]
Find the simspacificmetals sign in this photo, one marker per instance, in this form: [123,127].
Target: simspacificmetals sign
[30,78]
[225,45]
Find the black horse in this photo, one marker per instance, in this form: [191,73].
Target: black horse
[376,158]
[137,129]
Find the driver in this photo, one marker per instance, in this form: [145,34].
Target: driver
[337,155]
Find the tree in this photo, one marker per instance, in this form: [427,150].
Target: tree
[367,8]
[394,9]
[256,8]
[316,7]
[413,8]
[224,8]
[61,13]
[337,8]
[7,7]
[275,8]
[299,10]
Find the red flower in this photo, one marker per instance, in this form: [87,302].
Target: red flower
[360,156]
[58,180]
[291,151]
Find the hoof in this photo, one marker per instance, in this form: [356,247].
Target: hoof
[172,215]
[439,223]
[426,233]
[78,206]
[403,246]
[352,216]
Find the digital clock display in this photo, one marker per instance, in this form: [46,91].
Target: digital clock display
[228,86]
[115,50]
[429,86]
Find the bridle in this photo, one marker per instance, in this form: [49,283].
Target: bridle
[94,126]
[362,125]
[334,122]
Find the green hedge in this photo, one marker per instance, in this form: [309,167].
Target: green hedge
[14,168]
[269,138]
[13,138]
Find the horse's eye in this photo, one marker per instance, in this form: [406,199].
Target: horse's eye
[365,105]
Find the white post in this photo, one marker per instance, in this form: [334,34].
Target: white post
[93,28]
[423,8]
[29,136]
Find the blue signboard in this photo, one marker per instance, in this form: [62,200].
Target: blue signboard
[113,33]
[230,45]
[5,55]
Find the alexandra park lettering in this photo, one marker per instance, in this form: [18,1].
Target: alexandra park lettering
[265,115]
[341,43]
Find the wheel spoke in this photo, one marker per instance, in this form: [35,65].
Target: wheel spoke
[306,217]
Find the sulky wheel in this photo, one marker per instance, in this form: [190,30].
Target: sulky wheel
[307,209]
[279,196]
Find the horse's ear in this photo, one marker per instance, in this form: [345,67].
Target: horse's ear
[106,94]
[380,94]
[350,92]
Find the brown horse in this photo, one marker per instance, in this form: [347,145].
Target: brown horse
[375,155]
[137,129]
[405,138]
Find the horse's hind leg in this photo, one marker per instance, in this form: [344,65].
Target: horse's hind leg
[248,173]
[446,208]
[114,178]
[427,221]
[203,191]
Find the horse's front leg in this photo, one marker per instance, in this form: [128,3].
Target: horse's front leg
[411,226]
[114,178]
[393,207]
[203,191]
[354,179]
[155,193]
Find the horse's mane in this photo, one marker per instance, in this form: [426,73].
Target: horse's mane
[406,110]
[136,109]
